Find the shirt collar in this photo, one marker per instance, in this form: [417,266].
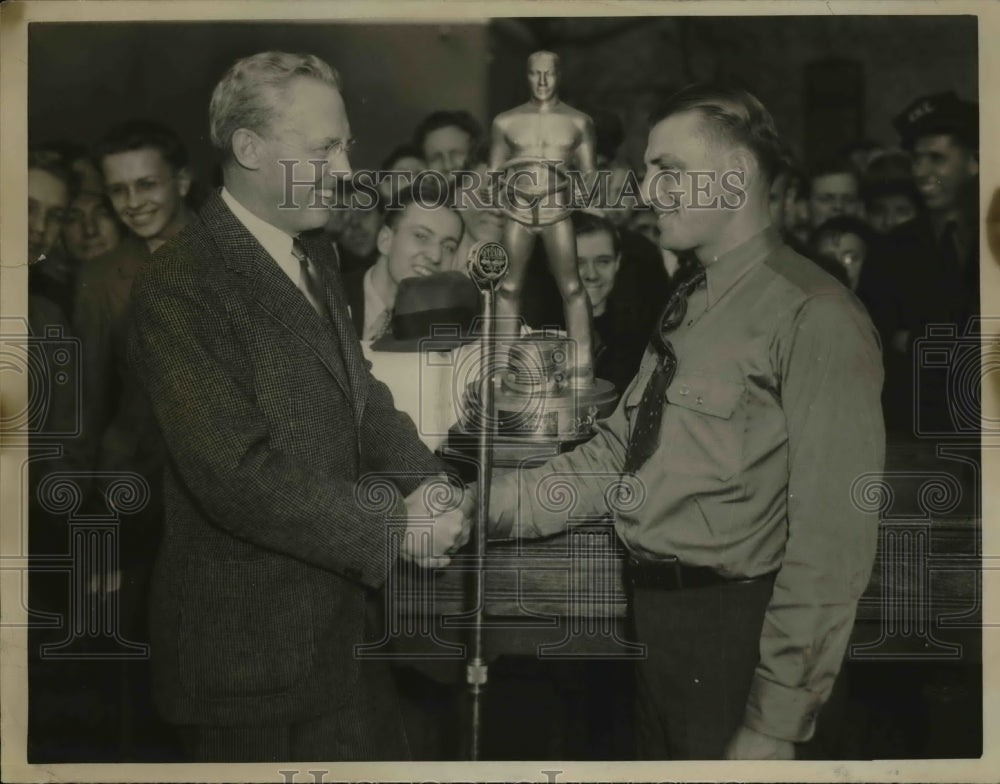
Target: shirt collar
[726,269]
[375,306]
[275,241]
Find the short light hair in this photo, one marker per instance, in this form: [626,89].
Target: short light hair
[249,92]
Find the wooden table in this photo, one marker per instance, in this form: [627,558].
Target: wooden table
[563,597]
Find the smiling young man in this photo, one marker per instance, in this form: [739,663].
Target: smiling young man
[146,176]
[625,297]
[754,411]
[268,571]
[420,236]
[932,261]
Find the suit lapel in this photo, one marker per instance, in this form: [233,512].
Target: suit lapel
[324,255]
[273,290]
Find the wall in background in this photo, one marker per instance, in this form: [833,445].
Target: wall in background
[629,64]
[84,77]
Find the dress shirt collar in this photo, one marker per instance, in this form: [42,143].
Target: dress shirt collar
[275,241]
[375,306]
[725,270]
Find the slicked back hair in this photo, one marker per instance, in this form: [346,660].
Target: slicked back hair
[430,191]
[734,116]
[250,92]
[139,135]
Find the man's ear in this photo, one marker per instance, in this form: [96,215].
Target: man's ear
[384,240]
[741,160]
[246,146]
[183,181]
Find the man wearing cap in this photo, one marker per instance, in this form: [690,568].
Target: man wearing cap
[288,465]
[419,238]
[933,260]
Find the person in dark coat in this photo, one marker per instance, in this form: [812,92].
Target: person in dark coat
[292,482]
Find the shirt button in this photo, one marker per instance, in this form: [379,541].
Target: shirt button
[683,390]
[698,400]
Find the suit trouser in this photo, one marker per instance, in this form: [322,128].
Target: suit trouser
[702,649]
[368,726]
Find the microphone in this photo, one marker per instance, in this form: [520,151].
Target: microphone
[488,264]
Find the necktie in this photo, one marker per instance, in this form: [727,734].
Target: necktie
[646,428]
[311,280]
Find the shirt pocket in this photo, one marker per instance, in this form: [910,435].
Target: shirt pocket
[703,429]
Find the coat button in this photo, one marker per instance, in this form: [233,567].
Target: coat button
[683,390]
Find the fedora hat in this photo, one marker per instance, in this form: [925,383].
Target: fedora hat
[432,313]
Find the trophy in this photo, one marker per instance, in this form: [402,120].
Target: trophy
[534,146]
[522,393]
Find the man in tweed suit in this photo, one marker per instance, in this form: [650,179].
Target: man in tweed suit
[287,460]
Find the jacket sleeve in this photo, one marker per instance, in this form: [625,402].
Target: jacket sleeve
[831,382]
[193,368]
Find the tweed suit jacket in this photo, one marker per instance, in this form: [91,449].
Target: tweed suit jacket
[272,421]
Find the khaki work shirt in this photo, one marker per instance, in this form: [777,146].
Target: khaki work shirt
[772,424]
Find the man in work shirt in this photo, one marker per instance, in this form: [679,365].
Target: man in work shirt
[754,412]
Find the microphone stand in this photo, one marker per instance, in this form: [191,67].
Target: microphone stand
[488,263]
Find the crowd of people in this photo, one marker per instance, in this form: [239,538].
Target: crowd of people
[897,225]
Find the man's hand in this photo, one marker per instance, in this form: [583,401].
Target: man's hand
[749,744]
[438,505]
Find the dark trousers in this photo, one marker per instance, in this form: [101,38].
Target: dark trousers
[702,649]
[367,727]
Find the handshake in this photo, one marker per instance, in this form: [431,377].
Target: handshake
[439,518]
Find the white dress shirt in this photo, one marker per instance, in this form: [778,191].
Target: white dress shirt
[276,242]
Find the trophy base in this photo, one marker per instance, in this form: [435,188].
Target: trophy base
[569,413]
[540,408]
[535,427]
